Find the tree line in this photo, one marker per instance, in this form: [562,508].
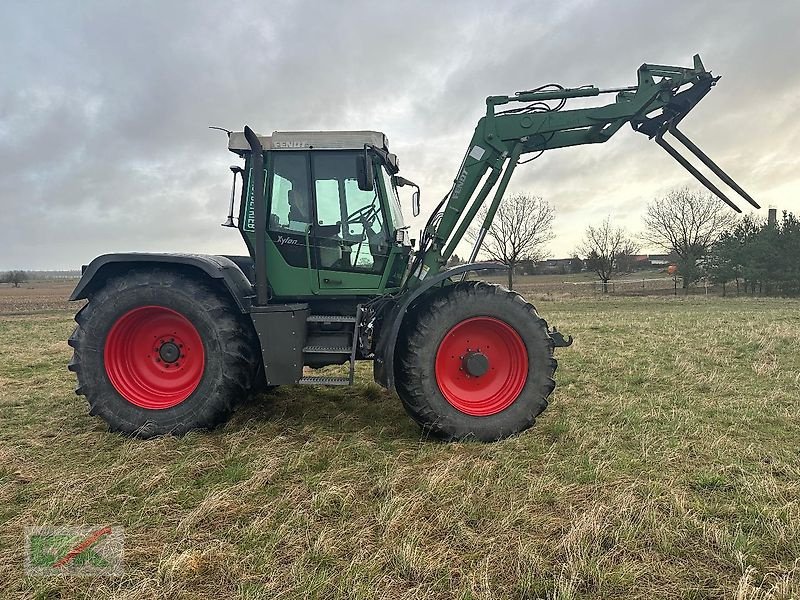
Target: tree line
[702,236]
[758,257]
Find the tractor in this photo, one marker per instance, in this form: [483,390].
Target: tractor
[168,343]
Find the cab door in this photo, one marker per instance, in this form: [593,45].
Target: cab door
[349,240]
[290,262]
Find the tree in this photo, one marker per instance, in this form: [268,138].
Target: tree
[15,278]
[722,263]
[687,223]
[576,264]
[745,234]
[520,229]
[625,256]
[454,261]
[602,246]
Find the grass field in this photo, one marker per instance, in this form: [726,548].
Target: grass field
[667,466]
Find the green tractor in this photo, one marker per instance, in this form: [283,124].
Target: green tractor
[172,342]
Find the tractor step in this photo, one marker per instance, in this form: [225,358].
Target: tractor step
[330,319]
[326,350]
[324,381]
[334,338]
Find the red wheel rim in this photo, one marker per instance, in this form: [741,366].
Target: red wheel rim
[154,357]
[501,372]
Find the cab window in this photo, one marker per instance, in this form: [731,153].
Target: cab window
[350,232]
[290,206]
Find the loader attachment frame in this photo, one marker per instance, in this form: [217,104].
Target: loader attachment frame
[667,122]
[663,96]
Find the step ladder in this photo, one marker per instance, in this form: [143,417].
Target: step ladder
[341,350]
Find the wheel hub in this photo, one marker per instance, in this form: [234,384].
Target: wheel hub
[475,364]
[169,352]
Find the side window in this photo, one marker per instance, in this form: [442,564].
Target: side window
[351,236]
[290,206]
[329,211]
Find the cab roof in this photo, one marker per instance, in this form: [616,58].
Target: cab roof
[306,140]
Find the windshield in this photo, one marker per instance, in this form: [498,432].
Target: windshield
[392,200]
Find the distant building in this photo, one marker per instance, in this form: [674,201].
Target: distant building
[562,266]
[553,266]
[660,260]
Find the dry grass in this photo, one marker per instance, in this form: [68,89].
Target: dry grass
[666,467]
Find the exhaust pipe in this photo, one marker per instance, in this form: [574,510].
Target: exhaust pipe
[257,177]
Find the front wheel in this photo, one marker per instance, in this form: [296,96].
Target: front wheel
[476,361]
[159,352]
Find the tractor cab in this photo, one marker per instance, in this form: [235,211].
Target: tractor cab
[333,220]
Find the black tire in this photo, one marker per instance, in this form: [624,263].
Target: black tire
[416,375]
[224,376]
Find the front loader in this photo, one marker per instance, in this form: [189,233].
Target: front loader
[172,342]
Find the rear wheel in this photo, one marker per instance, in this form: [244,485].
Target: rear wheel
[158,352]
[476,362]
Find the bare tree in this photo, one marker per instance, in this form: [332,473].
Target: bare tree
[519,230]
[687,223]
[15,278]
[602,246]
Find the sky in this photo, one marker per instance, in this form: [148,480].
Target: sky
[105,106]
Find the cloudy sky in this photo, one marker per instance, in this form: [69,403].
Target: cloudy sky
[104,106]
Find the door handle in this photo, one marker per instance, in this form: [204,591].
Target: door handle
[332,281]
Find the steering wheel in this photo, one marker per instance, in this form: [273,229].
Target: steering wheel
[365,216]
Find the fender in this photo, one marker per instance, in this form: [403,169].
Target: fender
[219,268]
[383,365]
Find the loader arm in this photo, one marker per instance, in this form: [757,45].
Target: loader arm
[662,97]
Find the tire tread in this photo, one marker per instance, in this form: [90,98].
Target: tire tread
[235,335]
[416,343]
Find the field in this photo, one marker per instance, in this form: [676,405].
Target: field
[667,466]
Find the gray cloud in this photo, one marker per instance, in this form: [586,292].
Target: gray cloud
[104,107]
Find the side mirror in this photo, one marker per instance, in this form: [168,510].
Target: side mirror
[364,174]
[402,182]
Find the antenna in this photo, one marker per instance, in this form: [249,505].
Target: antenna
[228,131]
